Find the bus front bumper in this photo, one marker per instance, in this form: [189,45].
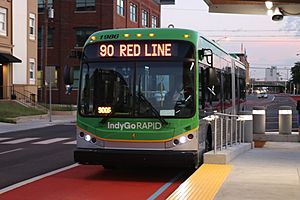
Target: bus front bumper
[136,157]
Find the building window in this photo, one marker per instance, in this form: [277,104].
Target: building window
[120,7]
[3,12]
[154,22]
[145,18]
[41,5]
[31,71]
[50,38]
[82,34]
[39,78]
[85,5]
[76,75]
[32,26]
[133,12]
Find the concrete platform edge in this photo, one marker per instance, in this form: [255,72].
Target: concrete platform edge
[226,155]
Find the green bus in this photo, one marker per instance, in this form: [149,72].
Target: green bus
[144,94]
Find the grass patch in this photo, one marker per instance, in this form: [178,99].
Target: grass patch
[6,120]
[61,107]
[10,109]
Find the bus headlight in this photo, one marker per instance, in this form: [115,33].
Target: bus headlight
[182,139]
[87,138]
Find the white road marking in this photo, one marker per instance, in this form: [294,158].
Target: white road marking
[72,142]
[12,187]
[50,141]
[17,141]
[10,151]
[273,98]
[4,138]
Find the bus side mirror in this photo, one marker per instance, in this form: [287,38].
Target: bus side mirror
[68,75]
[201,54]
[68,79]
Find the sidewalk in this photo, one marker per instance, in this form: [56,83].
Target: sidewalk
[271,172]
[32,122]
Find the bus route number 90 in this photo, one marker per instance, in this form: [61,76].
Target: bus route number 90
[107,50]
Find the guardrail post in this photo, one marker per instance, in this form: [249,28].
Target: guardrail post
[221,140]
[259,119]
[215,135]
[285,120]
[231,131]
[226,131]
[236,124]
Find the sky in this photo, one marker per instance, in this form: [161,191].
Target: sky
[267,43]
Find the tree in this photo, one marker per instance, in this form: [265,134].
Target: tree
[296,75]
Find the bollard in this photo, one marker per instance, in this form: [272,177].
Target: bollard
[285,120]
[246,116]
[259,120]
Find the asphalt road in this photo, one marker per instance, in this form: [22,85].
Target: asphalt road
[272,104]
[26,154]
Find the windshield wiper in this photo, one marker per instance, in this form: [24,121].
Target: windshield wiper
[154,111]
[105,118]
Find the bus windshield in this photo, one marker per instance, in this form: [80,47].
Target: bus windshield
[137,88]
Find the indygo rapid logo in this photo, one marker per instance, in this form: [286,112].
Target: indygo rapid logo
[137,125]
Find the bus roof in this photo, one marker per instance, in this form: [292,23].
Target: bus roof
[144,34]
[215,47]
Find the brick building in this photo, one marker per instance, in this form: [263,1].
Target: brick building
[74,21]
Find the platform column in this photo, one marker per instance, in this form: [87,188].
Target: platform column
[285,120]
[247,118]
[259,120]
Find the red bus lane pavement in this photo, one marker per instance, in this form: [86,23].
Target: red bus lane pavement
[95,182]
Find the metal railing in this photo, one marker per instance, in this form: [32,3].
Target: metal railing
[28,100]
[26,97]
[228,130]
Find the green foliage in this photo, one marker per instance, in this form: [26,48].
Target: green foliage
[10,109]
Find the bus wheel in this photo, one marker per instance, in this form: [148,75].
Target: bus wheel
[208,140]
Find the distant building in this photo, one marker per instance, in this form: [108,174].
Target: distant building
[74,21]
[25,39]
[18,48]
[272,74]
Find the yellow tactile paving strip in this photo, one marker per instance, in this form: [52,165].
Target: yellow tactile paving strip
[203,184]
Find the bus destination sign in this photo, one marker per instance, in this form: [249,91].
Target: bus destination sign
[136,50]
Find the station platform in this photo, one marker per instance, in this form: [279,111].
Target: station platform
[269,172]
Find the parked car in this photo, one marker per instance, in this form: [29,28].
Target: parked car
[262,95]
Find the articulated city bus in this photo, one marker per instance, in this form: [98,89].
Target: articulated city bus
[144,93]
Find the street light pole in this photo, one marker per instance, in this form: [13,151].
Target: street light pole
[45,45]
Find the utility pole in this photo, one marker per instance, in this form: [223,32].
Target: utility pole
[45,53]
